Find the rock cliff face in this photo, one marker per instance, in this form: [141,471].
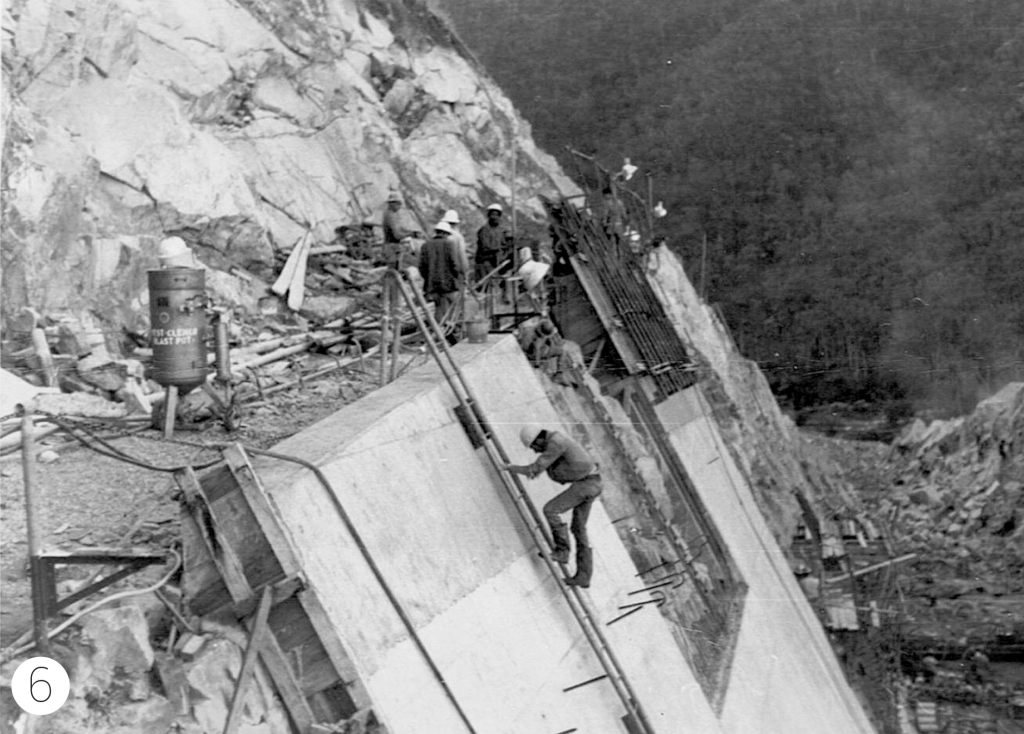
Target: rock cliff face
[235,124]
[240,124]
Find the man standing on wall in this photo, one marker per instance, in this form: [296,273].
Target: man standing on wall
[441,269]
[566,462]
[452,217]
[492,242]
[395,230]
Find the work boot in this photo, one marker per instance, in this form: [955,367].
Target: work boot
[560,534]
[584,567]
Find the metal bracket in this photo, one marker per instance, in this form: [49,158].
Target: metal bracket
[44,572]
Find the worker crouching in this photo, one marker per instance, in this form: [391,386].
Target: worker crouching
[565,462]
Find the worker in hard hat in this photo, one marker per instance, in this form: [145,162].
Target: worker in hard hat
[395,230]
[493,242]
[458,240]
[566,462]
[442,270]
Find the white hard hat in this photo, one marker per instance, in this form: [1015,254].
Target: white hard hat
[495,207]
[528,434]
[443,226]
[451,216]
[174,253]
[171,247]
[394,196]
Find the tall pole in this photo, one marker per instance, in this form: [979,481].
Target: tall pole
[515,143]
[703,265]
[28,462]
[650,205]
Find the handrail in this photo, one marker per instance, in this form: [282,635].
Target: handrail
[434,338]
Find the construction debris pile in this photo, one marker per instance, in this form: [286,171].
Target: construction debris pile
[138,668]
[274,344]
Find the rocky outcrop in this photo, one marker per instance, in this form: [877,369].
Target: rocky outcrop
[782,467]
[958,500]
[236,125]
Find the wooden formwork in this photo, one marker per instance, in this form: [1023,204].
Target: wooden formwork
[235,548]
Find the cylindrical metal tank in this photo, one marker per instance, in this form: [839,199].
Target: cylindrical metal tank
[177,310]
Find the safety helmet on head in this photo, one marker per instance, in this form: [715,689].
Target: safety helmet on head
[451,216]
[443,226]
[495,208]
[394,196]
[528,434]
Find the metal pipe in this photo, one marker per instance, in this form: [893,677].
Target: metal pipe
[375,569]
[222,350]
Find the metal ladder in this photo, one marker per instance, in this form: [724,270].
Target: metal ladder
[585,617]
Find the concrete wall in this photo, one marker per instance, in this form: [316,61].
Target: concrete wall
[451,547]
[784,675]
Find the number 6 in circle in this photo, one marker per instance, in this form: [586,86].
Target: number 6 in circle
[40,685]
[32,683]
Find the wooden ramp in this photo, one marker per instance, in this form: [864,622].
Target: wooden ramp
[235,548]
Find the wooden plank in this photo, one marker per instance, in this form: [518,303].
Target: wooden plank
[335,649]
[284,590]
[218,482]
[238,528]
[335,703]
[291,625]
[259,503]
[287,685]
[316,670]
[209,530]
[270,654]
[257,633]
[201,582]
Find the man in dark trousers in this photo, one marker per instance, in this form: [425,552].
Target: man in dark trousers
[566,462]
[493,242]
[442,271]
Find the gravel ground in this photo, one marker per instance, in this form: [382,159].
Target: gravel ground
[87,500]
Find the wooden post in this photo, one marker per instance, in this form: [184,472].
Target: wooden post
[396,341]
[28,462]
[249,660]
[170,409]
[385,323]
[42,348]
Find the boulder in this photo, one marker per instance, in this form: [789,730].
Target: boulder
[321,309]
[79,404]
[212,677]
[118,648]
[924,496]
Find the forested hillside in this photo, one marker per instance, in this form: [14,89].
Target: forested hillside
[845,178]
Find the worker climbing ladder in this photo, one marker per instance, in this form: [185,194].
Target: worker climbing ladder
[477,422]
